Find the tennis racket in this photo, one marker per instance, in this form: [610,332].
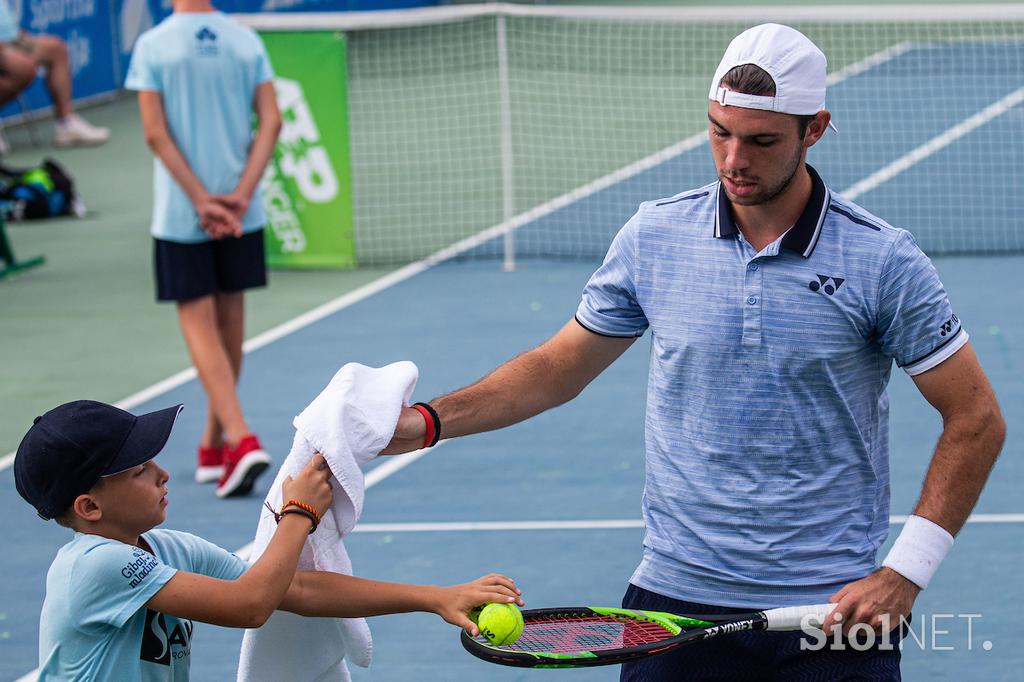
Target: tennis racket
[583,636]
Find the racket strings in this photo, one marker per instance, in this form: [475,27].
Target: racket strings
[572,633]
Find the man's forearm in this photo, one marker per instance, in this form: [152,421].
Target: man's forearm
[521,388]
[333,595]
[545,377]
[963,458]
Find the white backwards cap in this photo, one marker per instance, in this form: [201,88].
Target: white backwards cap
[795,64]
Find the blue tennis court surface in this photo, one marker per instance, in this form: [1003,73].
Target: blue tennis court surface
[584,461]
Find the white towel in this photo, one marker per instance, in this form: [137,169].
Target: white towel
[349,423]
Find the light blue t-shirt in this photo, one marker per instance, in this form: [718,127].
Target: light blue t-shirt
[767,470]
[94,625]
[8,29]
[206,68]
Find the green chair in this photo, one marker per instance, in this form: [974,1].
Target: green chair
[9,264]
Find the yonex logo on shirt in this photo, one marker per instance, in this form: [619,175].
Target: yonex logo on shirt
[206,34]
[948,325]
[829,285]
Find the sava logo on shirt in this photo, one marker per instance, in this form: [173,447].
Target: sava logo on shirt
[206,42]
[165,638]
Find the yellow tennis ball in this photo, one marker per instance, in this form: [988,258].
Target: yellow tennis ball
[501,624]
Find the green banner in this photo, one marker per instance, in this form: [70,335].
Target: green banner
[307,190]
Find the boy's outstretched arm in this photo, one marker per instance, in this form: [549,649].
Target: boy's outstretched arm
[318,593]
[248,601]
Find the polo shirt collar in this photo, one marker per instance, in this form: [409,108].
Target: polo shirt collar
[803,236]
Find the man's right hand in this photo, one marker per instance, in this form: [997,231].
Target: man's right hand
[409,433]
[311,485]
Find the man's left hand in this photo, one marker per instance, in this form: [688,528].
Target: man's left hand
[880,600]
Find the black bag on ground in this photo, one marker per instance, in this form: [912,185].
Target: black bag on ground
[44,191]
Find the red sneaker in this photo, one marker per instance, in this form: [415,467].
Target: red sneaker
[209,464]
[242,466]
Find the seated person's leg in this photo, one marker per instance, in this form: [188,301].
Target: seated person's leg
[17,70]
[16,73]
[51,53]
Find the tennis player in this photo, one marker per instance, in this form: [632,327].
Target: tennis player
[121,595]
[776,309]
[200,78]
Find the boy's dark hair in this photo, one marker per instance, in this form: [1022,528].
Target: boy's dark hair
[67,517]
[751,79]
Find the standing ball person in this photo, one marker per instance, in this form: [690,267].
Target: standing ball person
[200,77]
[776,310]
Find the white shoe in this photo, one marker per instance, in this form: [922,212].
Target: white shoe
[75,130]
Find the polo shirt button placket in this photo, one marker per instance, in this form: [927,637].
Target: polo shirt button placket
[752,306]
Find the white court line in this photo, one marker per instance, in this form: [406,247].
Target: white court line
[610,524]
[391,465]
[469,243]
[935,144]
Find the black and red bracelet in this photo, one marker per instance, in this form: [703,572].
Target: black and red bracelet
[433,424]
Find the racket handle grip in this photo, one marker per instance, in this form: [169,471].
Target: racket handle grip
[793,617]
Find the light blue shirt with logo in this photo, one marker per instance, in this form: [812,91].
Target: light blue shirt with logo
[206,68]
[94,625]
[767,428]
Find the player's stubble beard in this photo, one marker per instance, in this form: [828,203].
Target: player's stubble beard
[771,192]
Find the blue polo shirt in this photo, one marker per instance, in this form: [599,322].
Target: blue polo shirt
[767,472]
[206,68]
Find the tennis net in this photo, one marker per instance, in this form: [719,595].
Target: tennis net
[535,131]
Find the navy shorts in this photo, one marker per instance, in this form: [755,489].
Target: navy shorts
[188,271]
[755,656]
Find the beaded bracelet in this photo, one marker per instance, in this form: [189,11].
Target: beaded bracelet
[301,505]
[299,510]
[296,507]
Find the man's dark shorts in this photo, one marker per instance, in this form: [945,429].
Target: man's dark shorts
[188,271]
[754,656]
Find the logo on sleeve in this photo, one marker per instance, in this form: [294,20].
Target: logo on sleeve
[165,638]
[949,325]
[141,565]
[826,284]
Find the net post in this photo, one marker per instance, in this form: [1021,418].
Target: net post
[505,101]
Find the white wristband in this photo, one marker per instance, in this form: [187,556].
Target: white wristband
[918,551]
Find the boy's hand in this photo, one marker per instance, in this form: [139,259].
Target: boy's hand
[311,485]
[454,603]
[217,220]
[236,202]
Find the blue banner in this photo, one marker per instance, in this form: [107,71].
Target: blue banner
[100,34]
[85,25]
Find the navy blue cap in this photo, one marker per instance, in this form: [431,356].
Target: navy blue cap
[72,446]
